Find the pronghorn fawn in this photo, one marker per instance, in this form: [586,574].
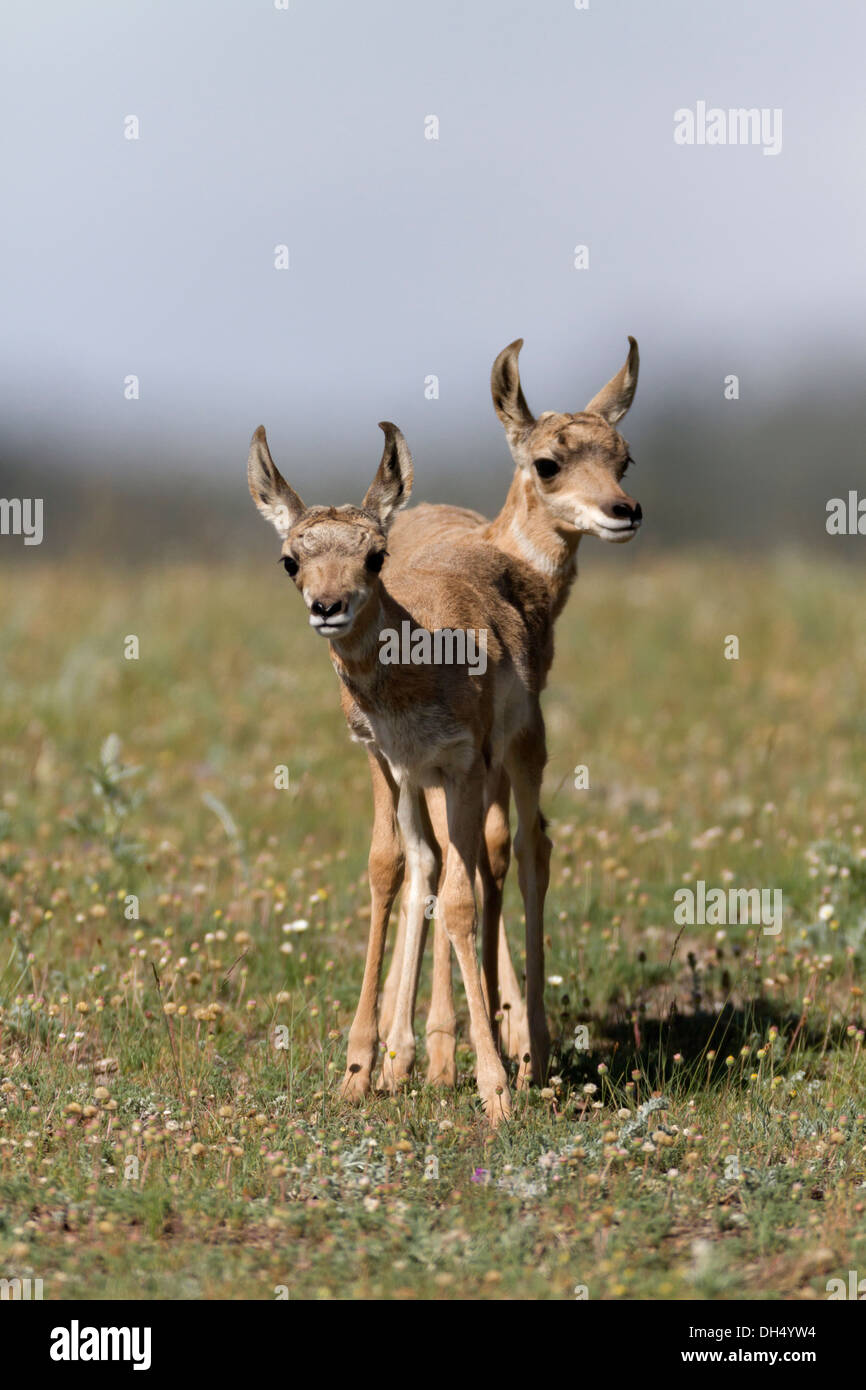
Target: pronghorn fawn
[432,731]
[567,484]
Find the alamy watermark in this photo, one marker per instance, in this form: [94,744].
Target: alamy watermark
[717,907]
[443,647]
[855,1288]
[20,1290]
[738,125]
[77,1343]
[22,516]
[846,516]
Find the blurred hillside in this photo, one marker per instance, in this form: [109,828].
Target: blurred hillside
[727,474]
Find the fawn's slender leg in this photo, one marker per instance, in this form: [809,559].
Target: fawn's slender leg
[422,865]
[493,862]
[441,1020]
[532,846]
[388,998]
[491,870]
[514,1029]
[385,865]
[457,811]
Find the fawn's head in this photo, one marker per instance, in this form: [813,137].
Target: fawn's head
[573,463]
[333,554]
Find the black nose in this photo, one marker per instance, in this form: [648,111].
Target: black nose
[326,610]
[624,509]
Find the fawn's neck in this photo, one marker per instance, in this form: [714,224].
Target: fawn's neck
[356,656]
[524,529]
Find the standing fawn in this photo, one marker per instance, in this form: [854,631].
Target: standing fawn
[435,733]
[566,484]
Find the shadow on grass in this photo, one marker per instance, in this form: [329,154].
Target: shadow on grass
[701,1041]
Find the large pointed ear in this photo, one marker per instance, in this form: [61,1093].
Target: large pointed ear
[613,400]
[508,398]
[392,486]
[278,503]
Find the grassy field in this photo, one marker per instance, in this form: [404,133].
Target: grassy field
[709,1141]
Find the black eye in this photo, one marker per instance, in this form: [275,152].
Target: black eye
[375,561]
[628,460]
[290,564]
[546,468]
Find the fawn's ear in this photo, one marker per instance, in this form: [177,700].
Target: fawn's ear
[509,401]
[392,486]
[278,503]
[613,400]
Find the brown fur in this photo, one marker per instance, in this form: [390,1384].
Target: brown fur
[539,527]
[436,734]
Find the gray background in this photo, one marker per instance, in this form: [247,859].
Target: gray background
[411,256]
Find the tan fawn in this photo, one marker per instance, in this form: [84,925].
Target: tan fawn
[435,732]
[567,484]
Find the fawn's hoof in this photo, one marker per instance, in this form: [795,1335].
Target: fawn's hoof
[441,1060]
[497,1106]
[397,1065]
[355,1084]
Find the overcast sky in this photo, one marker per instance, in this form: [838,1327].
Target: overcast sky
[410,256]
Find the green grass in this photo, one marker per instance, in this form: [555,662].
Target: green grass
[154,1143]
